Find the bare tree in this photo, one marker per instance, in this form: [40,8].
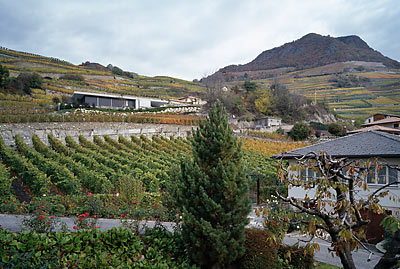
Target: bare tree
[339,193]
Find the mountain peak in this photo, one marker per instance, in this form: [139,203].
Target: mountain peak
[354,41]
[310,51]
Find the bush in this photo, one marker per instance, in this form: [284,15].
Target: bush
[267,191]
[73,77]
[299,131]
[296,257]
[261,250]
[115,248]
[336,129]
[26,82]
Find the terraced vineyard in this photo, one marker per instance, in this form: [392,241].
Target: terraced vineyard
[380,94]
[57,84]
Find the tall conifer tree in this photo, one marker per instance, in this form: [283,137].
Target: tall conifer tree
[213,193]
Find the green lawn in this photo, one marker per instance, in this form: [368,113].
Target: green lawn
[322,265]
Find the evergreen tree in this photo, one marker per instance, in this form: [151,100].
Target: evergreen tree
[212,191]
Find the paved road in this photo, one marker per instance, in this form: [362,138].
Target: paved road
[14,224]
[323,255]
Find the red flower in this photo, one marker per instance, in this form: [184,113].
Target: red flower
[81,216]
[6,203]
[80,219]
[86,214]
[52,217]
[48,222]
[42,212]
[90,194]
[87,224]
[134,203]
[41,216]
[42,206]
[96,227]
[95,216]
[74,227]
[123,216]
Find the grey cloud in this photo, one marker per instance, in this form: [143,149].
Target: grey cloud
[186,38]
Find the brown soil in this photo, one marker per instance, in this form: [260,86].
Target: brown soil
[21,191]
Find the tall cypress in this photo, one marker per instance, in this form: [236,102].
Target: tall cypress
[213,193]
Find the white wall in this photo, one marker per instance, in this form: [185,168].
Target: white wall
[144,103]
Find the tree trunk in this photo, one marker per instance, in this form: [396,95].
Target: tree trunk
[346,257]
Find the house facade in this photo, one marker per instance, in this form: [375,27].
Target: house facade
[380,150]
[372,146]
[389,122]
[377,117]
[268,122]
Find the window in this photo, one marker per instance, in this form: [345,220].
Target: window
[393,175]
[371,175]
[103,101]
[91,101]
[307,173]
[303,174]
[396,125]
[382,175]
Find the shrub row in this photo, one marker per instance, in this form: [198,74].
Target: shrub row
[115,248]
[96,118]
[263,251]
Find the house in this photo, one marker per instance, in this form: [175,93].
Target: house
[115,101]
[376,128]
[378,116]
[191,100]
[389,122]
[380,122]
[362,146]
[268,122]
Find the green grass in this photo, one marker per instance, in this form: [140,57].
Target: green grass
[322,265]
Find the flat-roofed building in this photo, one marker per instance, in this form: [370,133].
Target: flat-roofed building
[115,101]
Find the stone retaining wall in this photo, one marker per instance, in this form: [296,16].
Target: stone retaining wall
[88,129]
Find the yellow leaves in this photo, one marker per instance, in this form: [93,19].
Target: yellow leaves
[270,148]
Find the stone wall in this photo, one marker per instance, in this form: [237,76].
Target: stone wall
[88,129]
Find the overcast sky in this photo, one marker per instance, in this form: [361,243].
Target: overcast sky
[187,39]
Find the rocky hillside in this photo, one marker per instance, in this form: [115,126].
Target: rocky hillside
[312,50]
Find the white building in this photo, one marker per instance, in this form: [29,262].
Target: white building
[268,122]
[115,101]
[382,150]
[361,146]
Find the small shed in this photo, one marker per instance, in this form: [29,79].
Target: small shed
[268,122]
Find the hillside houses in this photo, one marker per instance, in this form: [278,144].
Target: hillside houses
[380,122]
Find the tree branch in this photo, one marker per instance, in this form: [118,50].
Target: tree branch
[372,195]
